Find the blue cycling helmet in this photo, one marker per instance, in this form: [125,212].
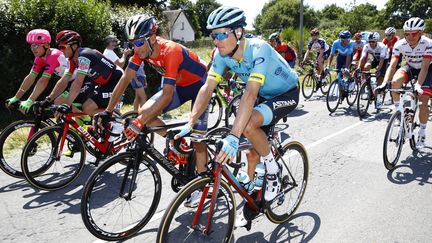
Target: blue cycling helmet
[345,34]
[226,17]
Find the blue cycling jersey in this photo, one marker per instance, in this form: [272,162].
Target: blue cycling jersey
[260,63]
[342,50]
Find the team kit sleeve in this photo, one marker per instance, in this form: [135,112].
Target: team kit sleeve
[217,68]
[135,62]
[428,51]
[38,64]
[334,47]
[396,49]
[51,64]
[83,65]
[261,63]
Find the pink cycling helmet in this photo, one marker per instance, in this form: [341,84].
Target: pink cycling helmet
[38,36]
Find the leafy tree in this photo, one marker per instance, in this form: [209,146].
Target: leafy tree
[279,14]
[331,12]
[203,9]
[398,11]
[154,3]
[360,17]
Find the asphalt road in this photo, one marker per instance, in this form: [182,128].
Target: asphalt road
[350,196]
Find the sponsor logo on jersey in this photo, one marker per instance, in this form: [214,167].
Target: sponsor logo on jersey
[257,61]
[283,103]
[108,63]
[83,63]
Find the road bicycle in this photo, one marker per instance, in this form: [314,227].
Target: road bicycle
[366,93]
[311,84]
[44,163]
[402,126]
[343,87]
[121,196]
[213,219]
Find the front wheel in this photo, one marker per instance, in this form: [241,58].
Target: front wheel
[333,96]
[120,197]
[215,111]
[353,89]
[231,110]
[393,140]
[58,160]
[364,99]
[308,86]
[325,84]
[295,171]
[178,225]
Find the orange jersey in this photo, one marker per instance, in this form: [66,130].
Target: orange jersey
[177,64]
[286,52]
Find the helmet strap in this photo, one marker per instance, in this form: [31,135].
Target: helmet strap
[45,51]
[231,54]
[150,47]
[74,51]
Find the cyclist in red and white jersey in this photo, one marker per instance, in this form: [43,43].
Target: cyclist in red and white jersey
[417,50]
[390,39]
[358,46]
[47,60]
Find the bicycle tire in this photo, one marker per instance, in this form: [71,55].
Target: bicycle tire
[177,203]
[21,130]
[215,110]
[232,108]
[287,179]
[98,188]
[388,162]
[352,94]
[325,86]
[308,86]
[46,181]
[364,99]
[333,96]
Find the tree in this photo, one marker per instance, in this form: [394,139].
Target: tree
[280,14]
[331,12]
[203,9]
[154,3]
[360,17]
[190,12]
[398,11]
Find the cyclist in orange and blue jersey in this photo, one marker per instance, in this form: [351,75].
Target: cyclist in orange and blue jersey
[183,74]
[283,49]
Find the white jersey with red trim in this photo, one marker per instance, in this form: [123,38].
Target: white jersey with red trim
[380,51]
[413,56]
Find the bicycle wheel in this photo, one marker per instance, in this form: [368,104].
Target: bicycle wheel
[364,99]
[393,140]
[326,84]
[43,151]
[295,170]
[333,97]
[120,197]
[308,86]
[382,97]
[352,92]
[177,223]
[12,141]
[415,126]
[215,111]
[231,110]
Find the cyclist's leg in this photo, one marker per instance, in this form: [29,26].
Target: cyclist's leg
[424,109]
[341,61]
[138,86]
[402,75]
[382,72]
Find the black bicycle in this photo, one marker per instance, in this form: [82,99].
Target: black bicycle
[311,84]
[122,194]
[366,93]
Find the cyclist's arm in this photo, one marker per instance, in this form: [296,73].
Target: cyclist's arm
[202,100]
[40,86]
[330,60]
[306,55]
[380,64]
[424,69]
[25,85]
[151,109]
[246,106]
[390,70]
[75,88]
[60,86]
[120,88]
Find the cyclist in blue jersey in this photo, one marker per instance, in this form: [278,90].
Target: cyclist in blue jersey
[269,80]
[345,48]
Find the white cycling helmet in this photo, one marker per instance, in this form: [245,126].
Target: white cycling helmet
[374,36]
[390,31]
[414,23]
[226,17]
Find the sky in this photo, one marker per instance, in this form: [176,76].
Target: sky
[253,7]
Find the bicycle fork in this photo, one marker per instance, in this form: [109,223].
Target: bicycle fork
[134,165]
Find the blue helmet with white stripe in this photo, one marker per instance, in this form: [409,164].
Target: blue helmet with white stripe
[226,17]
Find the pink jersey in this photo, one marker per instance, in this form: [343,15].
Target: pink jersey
[55,63]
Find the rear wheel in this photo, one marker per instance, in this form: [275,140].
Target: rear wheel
[393,140]
[364,99]
[215,110]
[55,168]
[308,86]
[353,89]
[325,84]
[333,96]
[231,110]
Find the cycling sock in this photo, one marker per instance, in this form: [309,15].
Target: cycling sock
[271,164]
[422,131]
[396,103]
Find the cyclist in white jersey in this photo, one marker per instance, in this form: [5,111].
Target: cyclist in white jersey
[417,50]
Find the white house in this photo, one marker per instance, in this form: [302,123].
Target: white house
[179,26]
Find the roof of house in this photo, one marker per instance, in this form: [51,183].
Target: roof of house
[172,16]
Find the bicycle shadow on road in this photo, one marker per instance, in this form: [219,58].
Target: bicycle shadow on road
[15,186]
[345,111]
[416,167]
[322,98]
[302,227]
[69,196]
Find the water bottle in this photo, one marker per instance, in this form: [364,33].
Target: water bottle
[259,176]
[116,130]
[373,83]
[245,182]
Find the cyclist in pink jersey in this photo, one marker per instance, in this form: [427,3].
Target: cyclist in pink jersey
[47,60]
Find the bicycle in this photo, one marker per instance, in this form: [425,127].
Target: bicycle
[402,125]
[192,225]
[121,196]
[366,93]
[344,86]
[311,84]
[43,162]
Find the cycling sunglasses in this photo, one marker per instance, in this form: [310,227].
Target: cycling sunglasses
[220,35]
[34,46]
[62,47]
[371,42]
[139,42]
[412,34]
